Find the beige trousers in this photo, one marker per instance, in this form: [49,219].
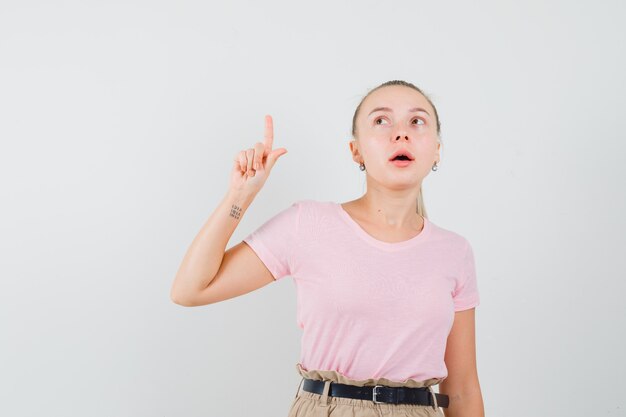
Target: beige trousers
[309,404]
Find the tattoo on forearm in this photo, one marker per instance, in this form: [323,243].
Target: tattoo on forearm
[235,211]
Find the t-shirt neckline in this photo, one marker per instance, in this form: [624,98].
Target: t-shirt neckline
[379,243]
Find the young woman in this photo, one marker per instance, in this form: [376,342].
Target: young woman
[386,298]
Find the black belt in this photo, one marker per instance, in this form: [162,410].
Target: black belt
[378,393]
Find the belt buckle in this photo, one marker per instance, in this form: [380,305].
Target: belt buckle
[374,395]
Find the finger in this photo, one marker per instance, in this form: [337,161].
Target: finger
[242,161]
[259,150]
[273,157]
[250,159]
[269,134]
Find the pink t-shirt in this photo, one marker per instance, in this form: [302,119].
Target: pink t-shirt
[368,308]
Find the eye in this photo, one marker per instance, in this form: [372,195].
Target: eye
[417,118]
[377,119]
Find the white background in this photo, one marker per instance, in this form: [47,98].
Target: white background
[119,122]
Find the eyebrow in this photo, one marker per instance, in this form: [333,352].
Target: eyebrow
[414,109]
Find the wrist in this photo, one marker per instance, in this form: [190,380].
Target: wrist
[240,198]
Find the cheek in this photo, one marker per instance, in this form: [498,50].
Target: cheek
[373,141]
[377,146]
[427,143]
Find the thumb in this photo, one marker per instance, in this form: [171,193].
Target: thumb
[273,157]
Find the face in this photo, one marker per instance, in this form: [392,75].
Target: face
[380,133]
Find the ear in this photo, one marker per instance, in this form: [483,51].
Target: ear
[354,150]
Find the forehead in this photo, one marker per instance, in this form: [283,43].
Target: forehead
[399,98]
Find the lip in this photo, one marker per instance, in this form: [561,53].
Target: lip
[402,152]
[401,163]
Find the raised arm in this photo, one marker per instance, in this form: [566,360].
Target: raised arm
[209,273]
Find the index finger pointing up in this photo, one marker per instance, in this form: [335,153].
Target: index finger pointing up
[269,133]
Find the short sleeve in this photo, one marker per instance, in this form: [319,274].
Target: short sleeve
[466,291]
[274,241]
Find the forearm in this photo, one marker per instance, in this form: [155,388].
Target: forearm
[204,257]
[465,404]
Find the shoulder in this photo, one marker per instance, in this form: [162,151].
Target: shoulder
[448,238]
[316,216]
[312,203]
[314,206]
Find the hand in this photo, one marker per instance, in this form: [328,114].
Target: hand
[252,166]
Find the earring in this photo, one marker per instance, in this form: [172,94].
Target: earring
[362,166]
[435,166]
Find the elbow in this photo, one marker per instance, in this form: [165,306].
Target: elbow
[177,300]
[180,299]
[190,297]
[460,388]
[182,302]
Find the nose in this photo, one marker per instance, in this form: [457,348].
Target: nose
[400,133]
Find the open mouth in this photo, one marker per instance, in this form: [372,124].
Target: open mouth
[401,155]
[401,162]
[401,158]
